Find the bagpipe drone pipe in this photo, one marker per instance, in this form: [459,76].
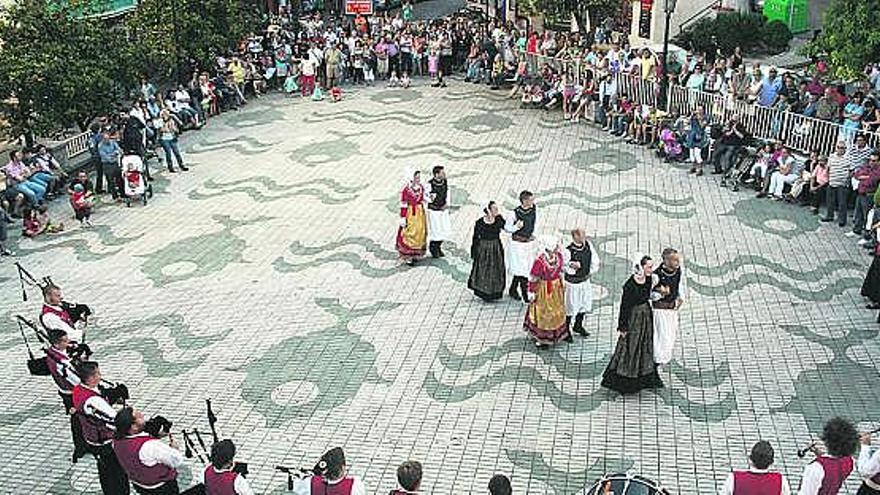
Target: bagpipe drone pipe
[79,353]
[199,449]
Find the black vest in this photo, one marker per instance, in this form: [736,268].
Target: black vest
[439,189]
[582,255]
[671,280]
[528,218]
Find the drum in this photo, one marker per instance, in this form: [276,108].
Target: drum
[625,484]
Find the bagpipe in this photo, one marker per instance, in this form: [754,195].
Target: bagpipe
[199,449]
[112,392]
[25,278]
[817,448]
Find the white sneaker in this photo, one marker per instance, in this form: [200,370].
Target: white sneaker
[851,234]
[864,242]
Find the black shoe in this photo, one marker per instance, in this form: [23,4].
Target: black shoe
[185,169]
[873,306]
[440,253]
[514,294]
[171,169]
[826,219]
[580,331]
[569,338]
[717,172]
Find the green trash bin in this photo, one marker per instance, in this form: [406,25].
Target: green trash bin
[793,13]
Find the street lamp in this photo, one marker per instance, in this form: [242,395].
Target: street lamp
[668,9]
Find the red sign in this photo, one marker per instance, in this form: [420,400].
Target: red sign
[355,7]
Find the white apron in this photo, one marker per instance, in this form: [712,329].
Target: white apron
[665,332]
[578,298]
[520,257]
[439,225]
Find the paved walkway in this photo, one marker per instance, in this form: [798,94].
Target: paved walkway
[266,279]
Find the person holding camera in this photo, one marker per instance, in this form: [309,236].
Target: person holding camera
[732,139]
[96,417]
[221,478]
[150,464]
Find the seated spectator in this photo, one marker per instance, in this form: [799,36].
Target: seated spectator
[500,485]
[781,159]
[18,176]
[788,172]
[331,470]
[36,221]
[409,478]
[621,115]
[45,162]
[11,201]
[733,138]
[758,478]
[762,165]
[5,220]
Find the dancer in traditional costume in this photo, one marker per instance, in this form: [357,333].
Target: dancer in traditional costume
[439,225]
[581,262]
[669,294]
[488,277]
[412,233]
[521,251]
[632,366]
[545,316]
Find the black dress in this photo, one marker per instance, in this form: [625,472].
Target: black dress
[632,366]
[488,276]
[871,285]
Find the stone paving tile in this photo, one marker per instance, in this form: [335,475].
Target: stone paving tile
[266,279]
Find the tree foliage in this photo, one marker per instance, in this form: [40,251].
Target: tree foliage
[850,37]
[726,31]
[57,71]
[585,12]
[170,32]
[59,68]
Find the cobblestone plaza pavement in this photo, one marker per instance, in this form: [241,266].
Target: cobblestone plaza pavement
[266,279]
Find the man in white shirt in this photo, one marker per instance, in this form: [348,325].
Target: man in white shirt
[96,418]
[758,478]
[220,475]
[827,473]
[149,463]
[63,373]
[869,467]
[60,315]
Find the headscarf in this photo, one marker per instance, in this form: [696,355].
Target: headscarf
[637,264]
[548,242]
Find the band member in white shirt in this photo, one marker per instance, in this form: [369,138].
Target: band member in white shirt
[330,478]
[60,315]
[869,467]
[758,478]
[150,464]
[96,418]
[65,377]
[220,477]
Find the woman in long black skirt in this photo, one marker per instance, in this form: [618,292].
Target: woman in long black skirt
[871,285]
[632,366]
[487,278]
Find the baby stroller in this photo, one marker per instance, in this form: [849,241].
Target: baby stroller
[739,171]
[669,149]
[134,180]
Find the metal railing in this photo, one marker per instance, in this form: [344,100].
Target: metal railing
[799,132]
[77,145]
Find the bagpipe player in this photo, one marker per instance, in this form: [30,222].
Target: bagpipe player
[150,463]
[58,314]
[96,420]
[220,475]
[65,375]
